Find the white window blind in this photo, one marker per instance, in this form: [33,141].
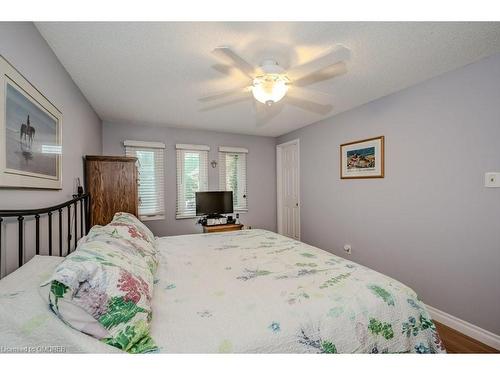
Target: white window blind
[192,176]
[233,175]
[150,158]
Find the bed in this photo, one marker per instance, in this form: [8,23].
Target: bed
[251,291]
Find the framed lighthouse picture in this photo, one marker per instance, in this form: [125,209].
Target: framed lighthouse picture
[30,134]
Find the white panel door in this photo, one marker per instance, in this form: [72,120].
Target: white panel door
[288,190]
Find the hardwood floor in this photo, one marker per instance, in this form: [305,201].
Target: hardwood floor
[456,342]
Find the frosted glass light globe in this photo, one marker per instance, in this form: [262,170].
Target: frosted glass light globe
[270,88]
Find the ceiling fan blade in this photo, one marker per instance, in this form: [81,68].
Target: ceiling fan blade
[238,99]
[224,68]
[225,93]
[227,54]
[265,113]
[332,56]
[310,106]
[322,75]
[309,95]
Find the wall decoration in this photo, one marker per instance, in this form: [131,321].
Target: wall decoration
[362,159]
[30,134]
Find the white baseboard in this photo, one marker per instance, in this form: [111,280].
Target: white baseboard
[486,337]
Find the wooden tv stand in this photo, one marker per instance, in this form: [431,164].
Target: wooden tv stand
[221,228]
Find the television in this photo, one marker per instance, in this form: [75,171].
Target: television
[214,203]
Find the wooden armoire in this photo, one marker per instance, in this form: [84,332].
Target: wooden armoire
[112,182]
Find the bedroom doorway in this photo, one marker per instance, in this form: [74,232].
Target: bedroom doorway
[288,188]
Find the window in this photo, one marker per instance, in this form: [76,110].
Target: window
[150,157]
[233,175]
[192,176]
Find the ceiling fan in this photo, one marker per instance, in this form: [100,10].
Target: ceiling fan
[269,83]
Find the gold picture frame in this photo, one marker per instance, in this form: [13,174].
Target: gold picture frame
[363,158]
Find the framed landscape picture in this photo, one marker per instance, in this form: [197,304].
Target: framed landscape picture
[362,159]
[30,134]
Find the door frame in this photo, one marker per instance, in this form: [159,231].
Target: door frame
[279,182]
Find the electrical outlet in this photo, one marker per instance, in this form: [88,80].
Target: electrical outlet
[347,249]
[492,179]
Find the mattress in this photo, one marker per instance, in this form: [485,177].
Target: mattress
[250,291]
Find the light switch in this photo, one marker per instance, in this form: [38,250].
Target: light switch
[492,179]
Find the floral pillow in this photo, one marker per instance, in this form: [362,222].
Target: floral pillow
[141,230]
[129,234]
[105,287]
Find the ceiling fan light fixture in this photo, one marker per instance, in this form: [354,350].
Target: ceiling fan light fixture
[270,88]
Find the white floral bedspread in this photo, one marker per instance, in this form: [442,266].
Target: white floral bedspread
[245,291]
[257,291]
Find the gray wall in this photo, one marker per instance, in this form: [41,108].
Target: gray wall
[261,173]
[23,46]
[430,222]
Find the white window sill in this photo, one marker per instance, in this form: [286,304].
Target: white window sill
[180,217]
[151,218]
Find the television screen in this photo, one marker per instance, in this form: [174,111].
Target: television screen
[214,202]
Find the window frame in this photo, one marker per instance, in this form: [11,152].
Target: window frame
[181,150]
[224,151]
[133,147]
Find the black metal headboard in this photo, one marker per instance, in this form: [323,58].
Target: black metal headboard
[82,202]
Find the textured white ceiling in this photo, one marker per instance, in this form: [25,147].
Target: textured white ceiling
[155,72]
